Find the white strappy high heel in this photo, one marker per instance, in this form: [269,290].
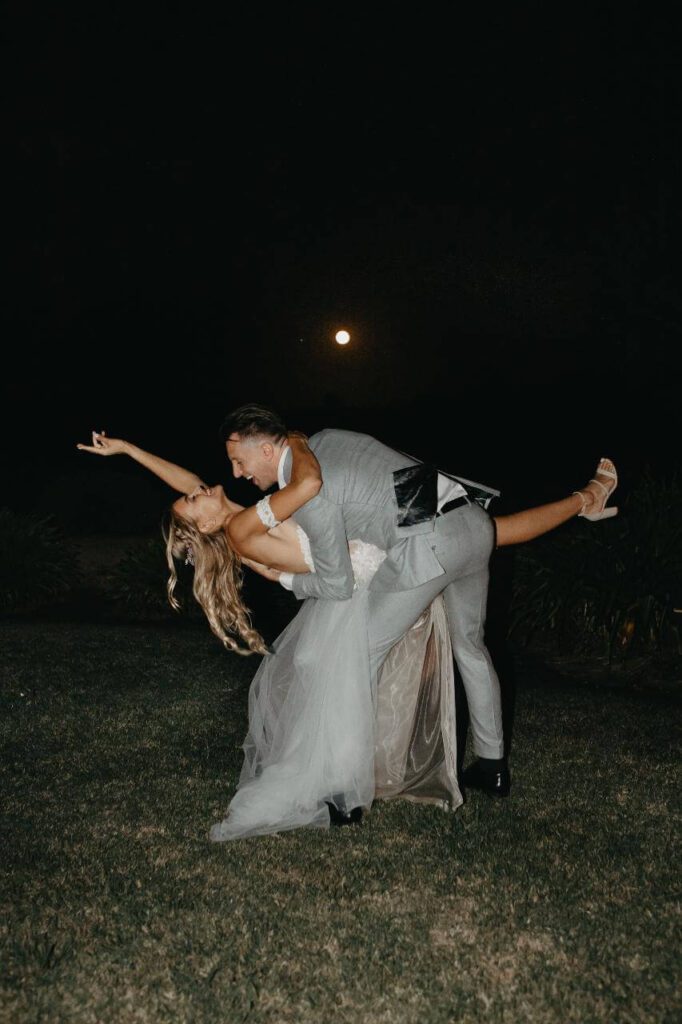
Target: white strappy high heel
[605,468]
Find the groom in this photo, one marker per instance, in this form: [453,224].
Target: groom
[437,537]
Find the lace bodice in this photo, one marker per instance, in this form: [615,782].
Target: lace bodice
[365,558]
[305,547]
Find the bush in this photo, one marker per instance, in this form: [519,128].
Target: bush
[612,586]
[38,564]
[138,583]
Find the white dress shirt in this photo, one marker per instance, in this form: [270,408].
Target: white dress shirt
[280,467]
[285,578]
[448,489]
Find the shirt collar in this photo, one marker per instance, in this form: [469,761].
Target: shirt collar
[280,468]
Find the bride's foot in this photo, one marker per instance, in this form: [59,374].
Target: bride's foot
[597,492]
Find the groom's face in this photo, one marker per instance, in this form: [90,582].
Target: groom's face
[255,458]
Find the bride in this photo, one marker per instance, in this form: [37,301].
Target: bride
[322,742]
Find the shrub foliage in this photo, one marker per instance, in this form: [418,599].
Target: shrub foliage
[613,586]
[138,583]
[39,566]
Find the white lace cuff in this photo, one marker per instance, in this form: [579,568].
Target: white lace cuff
[287,580]
[265,513]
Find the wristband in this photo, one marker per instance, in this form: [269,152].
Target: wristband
[265,513]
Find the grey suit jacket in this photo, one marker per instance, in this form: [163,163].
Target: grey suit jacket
[358,502]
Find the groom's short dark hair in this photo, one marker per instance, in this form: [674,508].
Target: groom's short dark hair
[253,421]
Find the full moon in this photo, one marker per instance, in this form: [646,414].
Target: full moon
[342,337]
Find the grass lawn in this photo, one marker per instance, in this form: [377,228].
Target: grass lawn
[121,746]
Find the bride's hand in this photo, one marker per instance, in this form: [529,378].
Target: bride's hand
[306,473]
[199,489]
[299,436]
[103,445]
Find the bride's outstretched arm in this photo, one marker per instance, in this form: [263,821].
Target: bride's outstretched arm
[182,480]
[306,481]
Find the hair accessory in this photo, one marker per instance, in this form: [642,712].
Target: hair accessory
[189,555]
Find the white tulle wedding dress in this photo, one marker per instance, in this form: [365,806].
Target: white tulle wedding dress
[320,732]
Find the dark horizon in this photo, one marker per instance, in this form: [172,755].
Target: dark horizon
[489,207]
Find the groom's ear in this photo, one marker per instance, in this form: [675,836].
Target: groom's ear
[267,449]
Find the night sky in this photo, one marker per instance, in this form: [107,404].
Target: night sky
[486,196]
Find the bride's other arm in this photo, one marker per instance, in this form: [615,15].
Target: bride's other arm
[263,570]
[181,480]
[246,527]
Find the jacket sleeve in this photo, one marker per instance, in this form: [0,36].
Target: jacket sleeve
[333,578]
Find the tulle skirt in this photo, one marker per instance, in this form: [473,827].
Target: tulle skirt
[321,731]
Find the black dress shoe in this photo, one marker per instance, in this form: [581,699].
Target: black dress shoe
[490,775]
[338,818]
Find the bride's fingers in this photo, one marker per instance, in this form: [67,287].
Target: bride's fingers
[97,443]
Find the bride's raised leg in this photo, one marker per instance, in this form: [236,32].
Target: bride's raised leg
[520,527]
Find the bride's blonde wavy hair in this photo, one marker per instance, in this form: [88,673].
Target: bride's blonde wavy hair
[217,582]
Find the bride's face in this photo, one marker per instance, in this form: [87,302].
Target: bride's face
[207,509]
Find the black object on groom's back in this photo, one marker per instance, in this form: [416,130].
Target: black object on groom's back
[416,493]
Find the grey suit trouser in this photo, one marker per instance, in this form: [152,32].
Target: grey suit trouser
[462,541]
